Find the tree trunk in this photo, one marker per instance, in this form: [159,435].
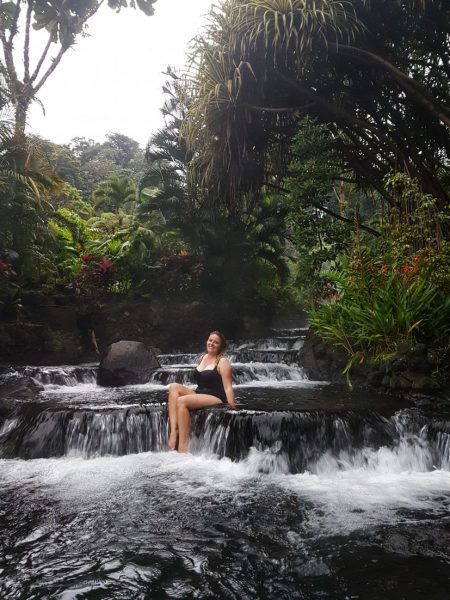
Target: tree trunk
[20,115]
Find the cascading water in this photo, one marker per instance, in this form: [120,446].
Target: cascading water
[306,491]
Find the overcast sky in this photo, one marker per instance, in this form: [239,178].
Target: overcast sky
[111,81]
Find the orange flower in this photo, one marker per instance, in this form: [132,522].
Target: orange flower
[384,269]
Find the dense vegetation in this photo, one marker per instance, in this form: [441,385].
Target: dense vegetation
[303,161]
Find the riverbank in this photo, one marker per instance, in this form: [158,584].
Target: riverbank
[414,372]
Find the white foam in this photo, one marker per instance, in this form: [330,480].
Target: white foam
[79,388]
[292,383]
[85,388]
[342,500]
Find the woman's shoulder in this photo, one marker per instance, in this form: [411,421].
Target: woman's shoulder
[223,362]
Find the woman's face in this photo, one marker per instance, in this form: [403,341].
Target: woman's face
[213,344]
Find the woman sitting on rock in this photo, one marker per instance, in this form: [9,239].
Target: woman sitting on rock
[213,376]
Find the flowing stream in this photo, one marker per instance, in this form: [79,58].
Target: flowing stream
[306,491]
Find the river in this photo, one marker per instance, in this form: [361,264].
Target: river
[306,491]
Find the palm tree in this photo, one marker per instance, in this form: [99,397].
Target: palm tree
[162,189]
[235,59]
[115,195]
[24,167]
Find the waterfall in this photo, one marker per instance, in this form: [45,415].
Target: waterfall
[302,441]
[75,417]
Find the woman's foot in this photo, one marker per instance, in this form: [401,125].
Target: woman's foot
[183,448]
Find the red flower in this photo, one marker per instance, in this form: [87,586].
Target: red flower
[385,269]
[87,258]
[405,269]
[104,264]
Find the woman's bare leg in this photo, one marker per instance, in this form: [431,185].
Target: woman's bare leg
[175,391]
[185,403]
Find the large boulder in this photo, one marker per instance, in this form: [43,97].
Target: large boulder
[126,363]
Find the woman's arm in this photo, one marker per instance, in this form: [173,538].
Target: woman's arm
[227,380]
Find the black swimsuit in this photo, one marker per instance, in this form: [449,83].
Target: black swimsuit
[209,381]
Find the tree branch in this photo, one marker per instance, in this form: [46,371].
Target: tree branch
[363,171]
[407,83]
[346,220]
[52,67]
[339,178]
[9,59]
[56,60]
[333,111]
[26,45]
[13,30]
[329,212]
[42,58]
[280,109]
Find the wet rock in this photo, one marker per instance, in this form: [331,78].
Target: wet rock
[399,364]
[5,370]
[126,363]
[409,373]
[425,385]
[376,378]
[434,541]
[398,381]
[417,359]
[410,361]
[320,361]
[20,387]
[385,382]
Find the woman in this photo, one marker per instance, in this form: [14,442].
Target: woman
[214,378]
